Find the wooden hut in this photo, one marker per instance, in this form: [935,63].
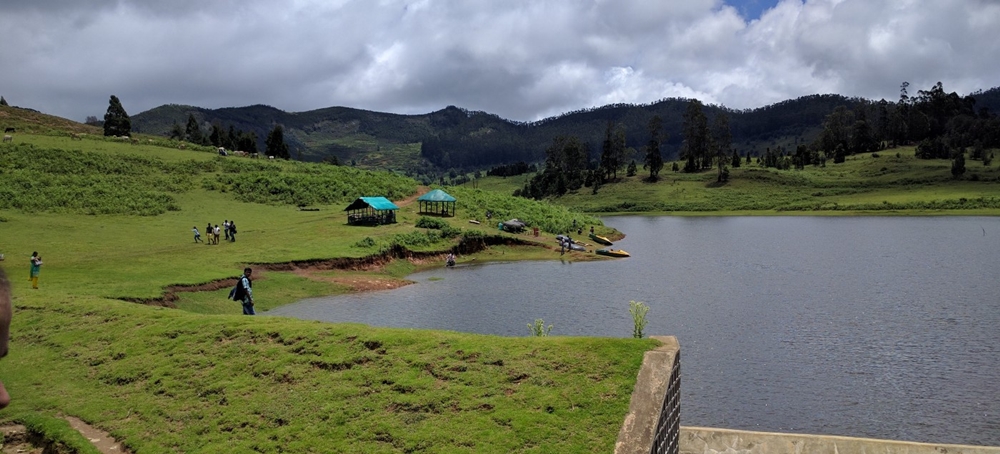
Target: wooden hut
[371,211]
[437,202]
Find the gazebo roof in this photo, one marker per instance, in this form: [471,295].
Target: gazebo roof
[377,203]
[436,195]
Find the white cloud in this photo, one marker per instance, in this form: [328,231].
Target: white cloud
[520,59]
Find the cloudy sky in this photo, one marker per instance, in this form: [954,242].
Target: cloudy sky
[520,59]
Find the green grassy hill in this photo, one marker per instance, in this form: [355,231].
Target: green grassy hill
[112,222]
[888,182]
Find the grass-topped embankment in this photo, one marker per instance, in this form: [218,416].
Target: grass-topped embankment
[162,379]
[887,184]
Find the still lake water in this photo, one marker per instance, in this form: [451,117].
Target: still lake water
[884,327]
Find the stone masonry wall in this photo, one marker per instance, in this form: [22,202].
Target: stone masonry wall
[701,440]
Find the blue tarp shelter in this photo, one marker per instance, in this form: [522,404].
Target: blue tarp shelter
[437,202]
[371,211]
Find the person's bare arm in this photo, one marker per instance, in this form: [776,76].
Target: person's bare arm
[5,313]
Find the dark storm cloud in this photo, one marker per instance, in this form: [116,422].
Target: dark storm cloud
[520,59]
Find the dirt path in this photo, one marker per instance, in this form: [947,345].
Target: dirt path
[421,190]
[101,439]
[17,440]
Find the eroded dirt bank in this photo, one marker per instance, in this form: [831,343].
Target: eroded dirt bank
[368,263]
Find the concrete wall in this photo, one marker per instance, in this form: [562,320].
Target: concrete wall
[652,425]
[701,440]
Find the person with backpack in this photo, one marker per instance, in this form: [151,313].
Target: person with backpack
[243,292]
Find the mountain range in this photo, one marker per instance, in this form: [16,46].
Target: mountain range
[457,139]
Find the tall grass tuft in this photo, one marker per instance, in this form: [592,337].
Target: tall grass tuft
[638,310]
[538,329]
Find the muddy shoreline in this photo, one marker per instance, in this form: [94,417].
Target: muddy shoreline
[368,263]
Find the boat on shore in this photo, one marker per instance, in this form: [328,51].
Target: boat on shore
[600,239]
[570,244]
[612,252]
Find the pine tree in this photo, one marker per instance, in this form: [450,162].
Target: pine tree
[116,120]
[958,164]
[216,136]
[722,141]
[247,141]
[193,130]
[696,138]
[232,139]
[3,102]
[176,132]
[654,160]
[275,143]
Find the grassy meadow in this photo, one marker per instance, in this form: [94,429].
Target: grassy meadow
[891,182]
[199,377]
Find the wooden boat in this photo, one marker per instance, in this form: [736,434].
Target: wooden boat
[600,239]
[612,252]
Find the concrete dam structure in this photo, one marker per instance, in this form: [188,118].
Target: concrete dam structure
[652,425]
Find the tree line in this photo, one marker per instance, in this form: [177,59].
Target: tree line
[232,138]
[117,123]
[941,125]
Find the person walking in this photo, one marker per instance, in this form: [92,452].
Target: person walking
[244,292]
[197,234]
[217,233]
[36,267]
[225,228]
[210,233]
[33,255]
[232,231]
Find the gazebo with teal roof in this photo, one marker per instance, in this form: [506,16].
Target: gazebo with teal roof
[371,211]
[437,202]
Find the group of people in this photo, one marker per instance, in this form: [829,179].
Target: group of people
[213,233]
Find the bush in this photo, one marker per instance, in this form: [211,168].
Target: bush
[546,216]
[449,232]
[431,223]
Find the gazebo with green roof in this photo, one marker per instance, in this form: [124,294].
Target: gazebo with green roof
[437,202]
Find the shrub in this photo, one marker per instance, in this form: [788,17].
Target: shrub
[538,329]
[638,311]
[431,223]
[448,232]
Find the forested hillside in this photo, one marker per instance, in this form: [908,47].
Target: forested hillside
[454,139]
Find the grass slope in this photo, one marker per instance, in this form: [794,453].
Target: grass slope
[890,182]
[202,379]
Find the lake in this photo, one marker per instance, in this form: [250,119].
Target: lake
[883,327]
